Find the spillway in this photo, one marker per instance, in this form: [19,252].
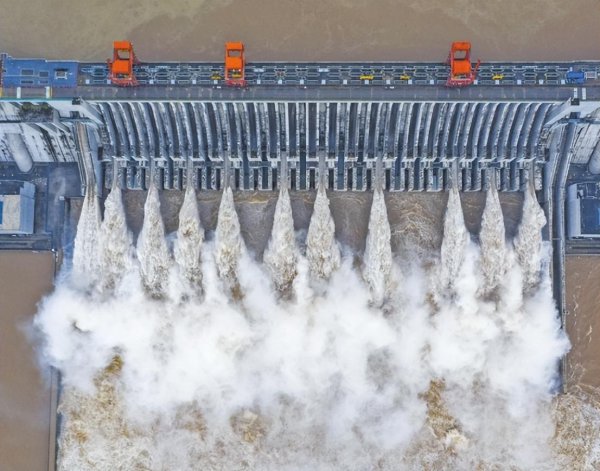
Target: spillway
[338,141]
[263,145]
[246,143]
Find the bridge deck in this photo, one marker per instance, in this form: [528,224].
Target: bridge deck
[339,94]
[343,73]
[399,80]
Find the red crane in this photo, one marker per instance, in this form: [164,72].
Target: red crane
[462,73]
[235,64]
[120,69]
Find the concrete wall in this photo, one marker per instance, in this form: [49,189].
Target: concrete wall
[416,142]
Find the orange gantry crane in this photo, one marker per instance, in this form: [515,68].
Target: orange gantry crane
[120,69]
[235,64]
[462,73]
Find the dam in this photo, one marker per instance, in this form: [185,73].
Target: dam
[253,142]
[399,126]
[295,125]
[404,127]
[234,350]
[415,142]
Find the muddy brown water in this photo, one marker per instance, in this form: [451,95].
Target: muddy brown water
[583,321]
[290,30]
[416,219]
[25,399]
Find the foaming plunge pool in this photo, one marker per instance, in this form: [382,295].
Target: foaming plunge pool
[190,350]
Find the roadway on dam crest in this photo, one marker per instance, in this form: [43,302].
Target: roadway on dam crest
[281,93]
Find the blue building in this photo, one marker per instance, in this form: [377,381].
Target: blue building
[38,72]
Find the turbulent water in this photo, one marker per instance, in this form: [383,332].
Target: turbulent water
[378,251]
[188,245]
[152,251]
[376,372]
[86,254]
[454,243]
[493,244]
[228,240]
[528,242]
[280,255]
[322,251]
[115,251]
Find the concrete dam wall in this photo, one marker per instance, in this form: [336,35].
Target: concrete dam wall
[254,142]
[254,145]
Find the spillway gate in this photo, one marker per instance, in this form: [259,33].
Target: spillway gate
[254,145]
[403,145]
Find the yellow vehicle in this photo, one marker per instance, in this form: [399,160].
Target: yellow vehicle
[404,77]
[367,77]
[216,76]
[497,76]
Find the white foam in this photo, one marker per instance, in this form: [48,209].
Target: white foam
[454,243]
[228,239]
[322,250]
[281,254]
[528,242]
[190,237]
[378,251]
[152,250]
[86,253]
[493,244]
[116,241]
[325,380]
